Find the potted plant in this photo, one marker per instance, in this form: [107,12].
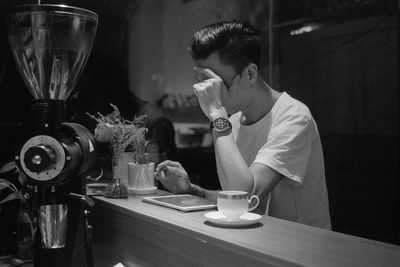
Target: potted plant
[128,143]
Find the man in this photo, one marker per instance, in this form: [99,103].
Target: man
[269,146]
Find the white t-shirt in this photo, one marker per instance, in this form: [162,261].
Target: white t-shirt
[287,140]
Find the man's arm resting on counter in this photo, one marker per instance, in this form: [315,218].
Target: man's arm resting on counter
[205,193]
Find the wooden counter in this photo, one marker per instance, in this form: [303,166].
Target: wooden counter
[136,233]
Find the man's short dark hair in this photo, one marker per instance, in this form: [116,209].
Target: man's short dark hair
[237,43]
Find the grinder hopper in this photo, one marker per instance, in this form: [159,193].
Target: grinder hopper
[51,45]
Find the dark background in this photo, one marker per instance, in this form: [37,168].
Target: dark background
[347,73]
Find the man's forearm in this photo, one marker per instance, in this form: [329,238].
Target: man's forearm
[236,175]
[205,193]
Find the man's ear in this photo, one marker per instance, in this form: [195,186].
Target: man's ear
[251,73]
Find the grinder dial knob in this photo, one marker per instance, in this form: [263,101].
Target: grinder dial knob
[39,158]
[42,158]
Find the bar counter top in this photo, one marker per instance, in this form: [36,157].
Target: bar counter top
[136,233]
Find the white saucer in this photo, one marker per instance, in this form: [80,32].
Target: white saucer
[244,220]
[146,191]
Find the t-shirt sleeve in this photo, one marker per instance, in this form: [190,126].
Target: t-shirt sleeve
[288,147]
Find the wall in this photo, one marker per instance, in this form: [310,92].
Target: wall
[347,73]
[160,33]
[145,51]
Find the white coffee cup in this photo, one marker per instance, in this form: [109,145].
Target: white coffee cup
[233,204]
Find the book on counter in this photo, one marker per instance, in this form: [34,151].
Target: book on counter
[95,189]
[184,202]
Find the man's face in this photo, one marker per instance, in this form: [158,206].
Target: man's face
[230,98]
[213,62]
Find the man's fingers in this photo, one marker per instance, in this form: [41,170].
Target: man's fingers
[166,163]
[160,175]
[173,169]
[206,72]
[172,163]
[199,89]
[210,74]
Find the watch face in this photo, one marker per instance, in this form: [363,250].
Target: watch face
[222,124]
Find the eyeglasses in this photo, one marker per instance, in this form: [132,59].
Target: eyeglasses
[201,77]
[228,86]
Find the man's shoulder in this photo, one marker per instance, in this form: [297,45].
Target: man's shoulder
[289,107]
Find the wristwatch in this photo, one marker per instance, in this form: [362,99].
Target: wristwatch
[221,124]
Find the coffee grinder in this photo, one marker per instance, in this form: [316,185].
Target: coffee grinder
[51,45]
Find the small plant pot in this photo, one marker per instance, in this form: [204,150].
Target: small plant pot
[141,178]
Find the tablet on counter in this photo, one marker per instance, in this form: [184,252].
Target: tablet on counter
[185,202]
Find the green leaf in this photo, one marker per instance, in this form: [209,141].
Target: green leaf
[22,178]
[12,196]
[5,184]
[8,167]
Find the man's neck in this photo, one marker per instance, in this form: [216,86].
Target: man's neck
[263,100]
